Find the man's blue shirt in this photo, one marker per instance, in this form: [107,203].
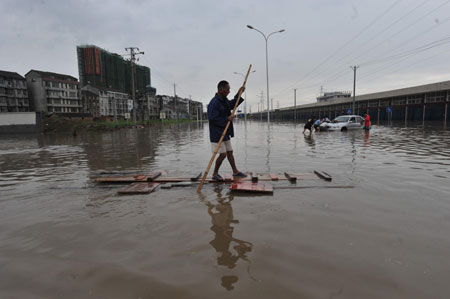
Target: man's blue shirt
[218,111]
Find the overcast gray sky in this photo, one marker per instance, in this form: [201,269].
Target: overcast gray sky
[195,44]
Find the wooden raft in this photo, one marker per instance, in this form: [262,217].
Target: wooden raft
[160,177]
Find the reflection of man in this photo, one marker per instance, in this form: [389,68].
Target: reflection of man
[366,138]
[222,218]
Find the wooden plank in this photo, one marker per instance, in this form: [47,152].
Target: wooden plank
[195,178]
[323,175]
[291,178]
[181,184]
[246,186]
[228,177]
[118,179]
[273,176]
[139,188]
[140,177]
[171,179]
[155,174]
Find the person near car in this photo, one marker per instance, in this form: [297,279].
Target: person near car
[367,123]
[317,124]
[309,124]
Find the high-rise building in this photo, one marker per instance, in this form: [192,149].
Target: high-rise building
[104,70]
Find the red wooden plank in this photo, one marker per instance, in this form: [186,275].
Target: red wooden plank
[138,188]
[228,177]
[140,177]
[273,176]
[247,186]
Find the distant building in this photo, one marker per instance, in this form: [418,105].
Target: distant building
[331,96]
[113,103]
[167,107]
[104,70]
[13,93]
[195,109]
[54,93]
[148,107]
[90,98]
[175,107]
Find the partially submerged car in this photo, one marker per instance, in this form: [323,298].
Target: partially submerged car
[346,122]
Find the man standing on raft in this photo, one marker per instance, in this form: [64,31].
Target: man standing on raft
[219,113]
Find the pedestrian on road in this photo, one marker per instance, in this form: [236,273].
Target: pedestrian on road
[367,122]
[219,113]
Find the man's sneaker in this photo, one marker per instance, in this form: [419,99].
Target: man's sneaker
[217,178]
[240,175]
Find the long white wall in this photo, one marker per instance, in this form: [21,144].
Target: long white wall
[17,118]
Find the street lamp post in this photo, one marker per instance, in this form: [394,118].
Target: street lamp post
[267,64]
[245,103]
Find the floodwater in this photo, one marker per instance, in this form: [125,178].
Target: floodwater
[64,236]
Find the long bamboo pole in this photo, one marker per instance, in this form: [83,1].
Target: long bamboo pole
[199,189]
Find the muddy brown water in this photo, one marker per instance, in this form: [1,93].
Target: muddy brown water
[63,236]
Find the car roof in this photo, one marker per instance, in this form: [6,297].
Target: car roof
[349,115]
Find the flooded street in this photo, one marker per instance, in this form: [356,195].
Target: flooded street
[64,236]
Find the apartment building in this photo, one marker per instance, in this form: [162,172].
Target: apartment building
[13,93]
[54,93]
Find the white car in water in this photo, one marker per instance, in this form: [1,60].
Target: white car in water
[346,122]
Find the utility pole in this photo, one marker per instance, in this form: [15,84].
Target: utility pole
[188,106]
[175,99]
[295,105]
[354,86]
[133,52]
[271,104]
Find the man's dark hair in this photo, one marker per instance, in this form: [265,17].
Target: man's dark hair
[222,84]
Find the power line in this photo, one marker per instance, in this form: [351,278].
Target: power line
[337,74]
[344,45]
[368,75]
[386,28]
[417,50]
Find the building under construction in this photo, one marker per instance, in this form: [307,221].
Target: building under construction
[104,70]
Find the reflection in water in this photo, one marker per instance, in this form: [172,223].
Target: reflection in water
[366,138]
[222,219]
[268,150]
[309,140]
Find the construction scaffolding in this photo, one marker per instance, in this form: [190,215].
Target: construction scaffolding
[102,69]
